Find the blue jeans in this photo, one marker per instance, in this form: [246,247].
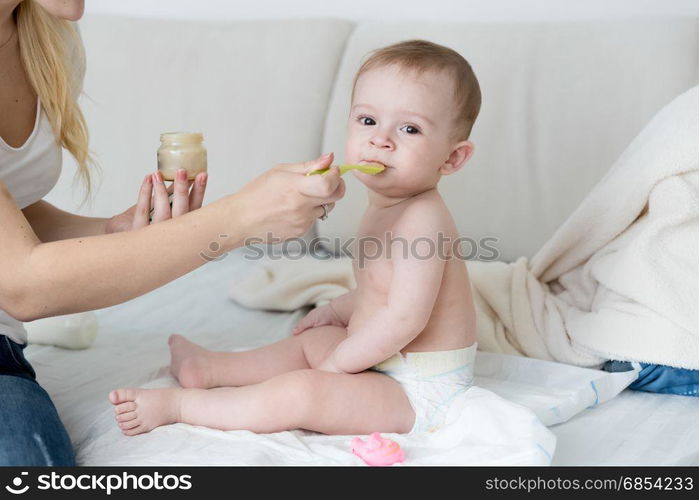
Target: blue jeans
[30,431]
[660,378]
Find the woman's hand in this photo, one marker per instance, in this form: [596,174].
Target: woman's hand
[320,316]
[153,194]
[284,203]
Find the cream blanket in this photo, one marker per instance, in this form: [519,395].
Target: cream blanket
[618,280]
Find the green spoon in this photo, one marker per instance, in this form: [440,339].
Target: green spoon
[371,169]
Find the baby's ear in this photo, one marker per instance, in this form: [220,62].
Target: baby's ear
[461,153]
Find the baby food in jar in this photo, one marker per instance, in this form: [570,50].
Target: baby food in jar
[181,150]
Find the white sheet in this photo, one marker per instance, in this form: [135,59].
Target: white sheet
[131,350]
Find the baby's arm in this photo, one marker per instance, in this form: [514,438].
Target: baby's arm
[336,312]
[343,306]
[413,291]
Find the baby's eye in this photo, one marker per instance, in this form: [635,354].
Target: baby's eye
[409,129]
[365,120]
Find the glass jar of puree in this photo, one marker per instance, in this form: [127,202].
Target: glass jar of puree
[181,150]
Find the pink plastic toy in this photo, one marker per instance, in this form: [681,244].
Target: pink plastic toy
[377,450]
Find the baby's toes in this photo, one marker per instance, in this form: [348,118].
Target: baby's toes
[122,396]
[137,429]
[131,424]
[127,407]
[174,338]
[126,417]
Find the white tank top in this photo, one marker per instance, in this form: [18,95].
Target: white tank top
[29,172]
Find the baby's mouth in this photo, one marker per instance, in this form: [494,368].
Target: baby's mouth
[373,162]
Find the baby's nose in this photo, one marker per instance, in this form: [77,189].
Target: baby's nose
[381,142]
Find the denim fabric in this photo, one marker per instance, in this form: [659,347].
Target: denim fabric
[660,378]
[30,431]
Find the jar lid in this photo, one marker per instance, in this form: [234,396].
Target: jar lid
[182,137]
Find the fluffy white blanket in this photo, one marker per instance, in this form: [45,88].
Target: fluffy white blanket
[618,280]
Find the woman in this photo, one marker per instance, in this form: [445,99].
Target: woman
[53,262]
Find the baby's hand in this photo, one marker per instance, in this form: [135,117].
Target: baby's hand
[320,316]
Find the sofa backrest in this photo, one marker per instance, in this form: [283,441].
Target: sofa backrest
[561,101]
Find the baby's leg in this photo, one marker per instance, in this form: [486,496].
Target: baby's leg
[196,367]
[330,403]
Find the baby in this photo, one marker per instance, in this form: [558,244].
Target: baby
[391,355]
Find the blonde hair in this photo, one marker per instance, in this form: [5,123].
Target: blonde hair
[422,56]
[54,60]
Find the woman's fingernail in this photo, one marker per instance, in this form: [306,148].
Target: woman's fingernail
[181,174]
[148,179]
[326,155]
[204,178]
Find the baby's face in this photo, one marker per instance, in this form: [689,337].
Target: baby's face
[405,122]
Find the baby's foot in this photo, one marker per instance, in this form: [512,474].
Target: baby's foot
[141,410]
[190,364]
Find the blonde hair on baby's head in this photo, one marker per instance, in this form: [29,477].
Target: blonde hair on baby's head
[423,56]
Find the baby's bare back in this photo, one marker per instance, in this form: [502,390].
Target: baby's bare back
[411,226]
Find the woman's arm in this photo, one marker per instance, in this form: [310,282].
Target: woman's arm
[51,223]
[79,274]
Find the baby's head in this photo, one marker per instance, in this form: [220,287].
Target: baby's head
[413,106]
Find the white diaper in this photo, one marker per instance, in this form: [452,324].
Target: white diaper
[431,380]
